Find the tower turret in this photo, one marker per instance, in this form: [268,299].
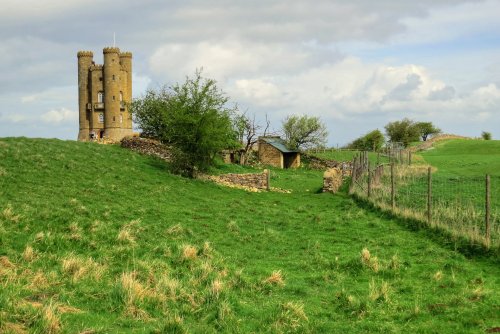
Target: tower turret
[112,92]
[84,63]
[126,61]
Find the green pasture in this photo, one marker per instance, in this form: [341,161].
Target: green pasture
[98,239]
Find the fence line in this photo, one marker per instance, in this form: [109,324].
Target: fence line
[465,206]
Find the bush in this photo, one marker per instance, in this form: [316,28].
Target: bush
[372,141]
[486,135]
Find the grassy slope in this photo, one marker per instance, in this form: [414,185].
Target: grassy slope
[68,200]
[463,157]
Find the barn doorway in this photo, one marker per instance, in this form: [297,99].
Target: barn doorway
[289,159]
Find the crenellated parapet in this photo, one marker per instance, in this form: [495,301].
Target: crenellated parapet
[126,54]
[96,67]
[111,49]
[85,54]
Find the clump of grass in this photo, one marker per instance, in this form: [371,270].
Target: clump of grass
[75,231]
[39,281]
[395,263]
[369,261]
[233,227]
[438,276]
[207,249]
[189,253]
[176,229]
[77,268]
[276,278]
[29,254]
[125,235]
[133,291]
[292,318]
[5,262]
[379,292]
[9,215]
[169,287]
[50,321]
[216,288]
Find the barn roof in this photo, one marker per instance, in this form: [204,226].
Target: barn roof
[279,144]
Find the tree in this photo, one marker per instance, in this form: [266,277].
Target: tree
[304,131]
[427,129]
[404,131]
[486,135]
[247,130]
[372,141]
[194,118]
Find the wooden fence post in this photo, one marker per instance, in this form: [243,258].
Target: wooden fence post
[378,158]
[268,183]
[369,188]
[353,175]
[393,195]
[487,207]
[429,196]
[409,158]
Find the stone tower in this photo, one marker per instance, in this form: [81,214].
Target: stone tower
[103,94]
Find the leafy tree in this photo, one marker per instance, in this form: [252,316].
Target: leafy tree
[427,129]
[194,118]
[404,131]
[486,135]
[372,141]
[304,131]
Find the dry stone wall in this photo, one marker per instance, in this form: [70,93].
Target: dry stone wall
[332,180]
[258,181]
[147,146]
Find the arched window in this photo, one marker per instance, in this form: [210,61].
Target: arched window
[121,96]
[100,97]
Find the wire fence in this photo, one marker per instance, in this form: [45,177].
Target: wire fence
[465,206]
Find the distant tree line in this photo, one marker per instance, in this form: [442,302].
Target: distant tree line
[405,131]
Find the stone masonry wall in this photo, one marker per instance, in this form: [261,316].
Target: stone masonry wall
[258,181]
[332,180]
[147,146]
[269,155]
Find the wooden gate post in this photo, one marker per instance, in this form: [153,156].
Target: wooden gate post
[268,183]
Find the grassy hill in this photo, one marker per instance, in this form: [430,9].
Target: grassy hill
[462,157]
[98,239]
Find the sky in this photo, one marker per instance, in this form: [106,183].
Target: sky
[356,64]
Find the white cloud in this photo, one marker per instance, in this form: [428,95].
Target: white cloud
[62,115]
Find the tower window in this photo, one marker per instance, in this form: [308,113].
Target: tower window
[114,98]
[101,118]
[100,97]
[113,77]
[114,118]
[121,96]
[121,119]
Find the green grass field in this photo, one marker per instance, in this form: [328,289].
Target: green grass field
[98,239]
[461,157]
[348,155]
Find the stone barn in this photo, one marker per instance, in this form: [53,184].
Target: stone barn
[273,152]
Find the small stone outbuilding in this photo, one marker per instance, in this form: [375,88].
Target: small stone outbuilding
[273,152]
